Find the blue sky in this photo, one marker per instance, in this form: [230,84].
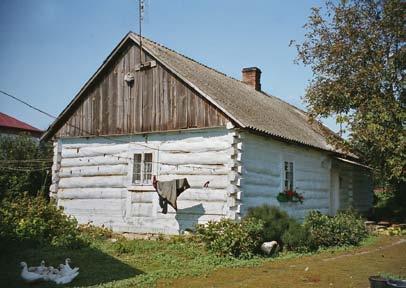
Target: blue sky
[50,48]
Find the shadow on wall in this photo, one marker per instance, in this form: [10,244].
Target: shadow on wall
[188,217]
[95,266]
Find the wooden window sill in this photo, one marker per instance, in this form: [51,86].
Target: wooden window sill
[141,188]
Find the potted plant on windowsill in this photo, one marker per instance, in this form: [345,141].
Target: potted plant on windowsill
[290,196]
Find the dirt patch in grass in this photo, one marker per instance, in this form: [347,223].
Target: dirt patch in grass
[327,269]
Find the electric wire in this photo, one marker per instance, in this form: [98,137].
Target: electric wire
[114,140]
[20,169]
[76,127]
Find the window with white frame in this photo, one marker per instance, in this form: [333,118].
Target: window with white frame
[288,176]
[142,169]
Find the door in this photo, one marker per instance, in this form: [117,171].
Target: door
[334,192]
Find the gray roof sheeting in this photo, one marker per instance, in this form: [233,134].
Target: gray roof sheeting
[250,108]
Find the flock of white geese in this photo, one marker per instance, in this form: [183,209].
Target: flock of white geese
[65,274]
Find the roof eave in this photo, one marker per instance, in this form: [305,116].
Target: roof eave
[353,163]
[293,141]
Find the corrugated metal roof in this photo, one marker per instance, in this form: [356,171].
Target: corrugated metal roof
[253,109]
[11,122]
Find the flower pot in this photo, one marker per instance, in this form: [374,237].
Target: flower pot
[396,283]
[282,198]
[378,282]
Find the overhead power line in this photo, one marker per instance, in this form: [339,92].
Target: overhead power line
[27,104]
[115,140]
[38,160]
[25,169]
[73,126]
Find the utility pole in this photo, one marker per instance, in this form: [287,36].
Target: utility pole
[140,18]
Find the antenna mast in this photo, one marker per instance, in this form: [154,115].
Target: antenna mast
[141,17]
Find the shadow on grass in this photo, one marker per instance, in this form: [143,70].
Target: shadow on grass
[95,266]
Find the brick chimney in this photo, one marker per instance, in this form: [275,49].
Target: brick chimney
[252,77]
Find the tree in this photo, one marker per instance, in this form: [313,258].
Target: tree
[356,50]
[24,166]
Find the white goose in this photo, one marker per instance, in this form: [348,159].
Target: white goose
[30,276]
[65,279]
[52,273]
[52,270]
[66,269]
[38,269]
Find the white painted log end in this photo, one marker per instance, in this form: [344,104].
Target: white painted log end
[229,125]
[238,156]
[236,208]
[239,169]
[239,146]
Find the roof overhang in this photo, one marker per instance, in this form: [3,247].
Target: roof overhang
[347,161]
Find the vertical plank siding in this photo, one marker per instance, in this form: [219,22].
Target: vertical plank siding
[157,101]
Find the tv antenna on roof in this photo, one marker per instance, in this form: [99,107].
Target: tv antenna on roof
[141,17]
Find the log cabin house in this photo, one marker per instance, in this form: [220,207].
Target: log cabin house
[157,112]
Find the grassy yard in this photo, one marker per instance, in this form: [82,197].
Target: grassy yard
[184,264]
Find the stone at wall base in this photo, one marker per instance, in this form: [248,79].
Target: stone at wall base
[270,248]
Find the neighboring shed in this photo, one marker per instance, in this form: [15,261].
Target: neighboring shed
[170,116]
[12,126]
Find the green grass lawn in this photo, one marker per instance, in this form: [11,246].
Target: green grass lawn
[147,263]
[127,263]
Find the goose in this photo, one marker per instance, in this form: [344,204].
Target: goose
[38,269]
[51,270]
[30,276]
[51,276]
[65,279]
[67,261]
[66,269]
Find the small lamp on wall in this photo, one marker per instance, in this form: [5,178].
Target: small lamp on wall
[129,78]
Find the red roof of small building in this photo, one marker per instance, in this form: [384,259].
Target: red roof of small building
[11,122]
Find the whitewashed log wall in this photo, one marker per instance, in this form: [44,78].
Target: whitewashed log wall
[53,189]
[92,178]
[262,175]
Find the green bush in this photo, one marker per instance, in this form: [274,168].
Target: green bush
[231,238]
[34,220]
[276,221]
[18,172]
[298,238]
[346,228]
